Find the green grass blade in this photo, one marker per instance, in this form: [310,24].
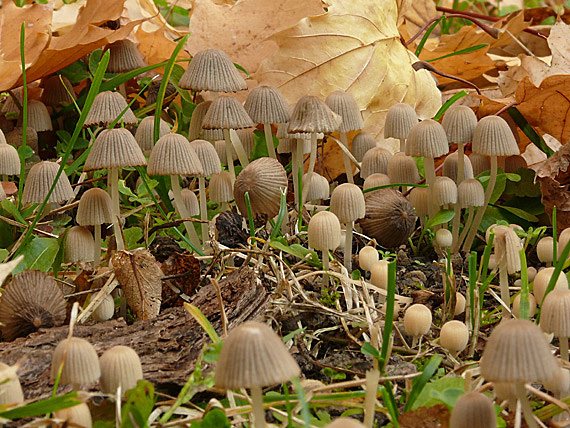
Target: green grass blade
[249,215]
[42,407]
[24,114]
[390,403]
[460,52]
[426,36]
[529,131]
[472,284]
[203,321]
[421,381]
[389,318]
[281,215]
[524,306]
[448,104]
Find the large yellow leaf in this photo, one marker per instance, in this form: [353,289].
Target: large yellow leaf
[355,47]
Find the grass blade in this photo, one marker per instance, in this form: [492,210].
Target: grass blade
[421,381]
[389,319]
[529,131]
[460,52]
[448,104]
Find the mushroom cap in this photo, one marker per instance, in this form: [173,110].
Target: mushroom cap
[541,281]
[15,137]
[375,160]
[473,410]
[105,309]
[154,87]
[403,169]
[531,306]
[401,118]
[145,133]
[517,351]
[78,245]
[379,274]
[545,249]
[95,207]
[10,388]
[324,231]
[195,131]
[555,314]
[254,356]
[345,423]
[39,181]
[460,302]
[174,155]
[247,138]
[444,191]
[443,238]
[493,137]
[263,179]
[191,201]
[226,112]
[367,257]
[33,300]
[319,187]
[470,193]
[515,162]
[283,132]
[454,335]
[107,106]
[78,415]
[450,166]
[375,180]
[417,320]
[38,116]
[563,239]
[220,147]
[347,202]
[419,198]
[344,104]
[266,104]
[289,145]
[10,105]
[427,139]
[508,245]
[311,114]
[124,57]
[361,143]
[220,187]
[9,159]
[479,163]
[114,148]
[55,93]
[212,70]
[208,157]
[459,123]
[120,366]
[560,384]
[81,362]
[390,218]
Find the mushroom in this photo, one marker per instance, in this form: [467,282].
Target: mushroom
[473,410]
[324,235]
[507,247]
[38,116]
[345,423]
[78,415]
[190,201]
[15,138]
[375,180]
[39,181]
[9,159]
[514,163]
[247,138]
[459,123]
[450,167]
[196,131]
[555,317]
[120,367]
[417,321]
[541,281]
[57,92]
[459,304]
[401,118]
[108,106]
[361,143]
[10,106]
[403,169]
[479,163]
[367,257]
[145,133]
[531,306]
[319,188]
[154,87]
[563,239]
[379,274]
[221,190]
[419,198]
[545,250]
[454,336]
[105,309]
[10,388]
[124,56]
[375,161]
[79,245]
[79,360]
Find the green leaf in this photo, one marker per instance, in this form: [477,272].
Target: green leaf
[124,190]
[369,350]
[519,213]
[528,130]
[10,208]
[526,185]
[177,72]
[139,405]
[132,236]
[215,418]
[260,147]
[203,321]
[420,382]
[39,255]
[426,36]
[297,251]
[3,254]
[75,72]
[441,217]
[441,391]
[42,407]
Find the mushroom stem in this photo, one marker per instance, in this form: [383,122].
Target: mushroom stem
[415,341]
[466,228]
[429,167]
[520,392]
[183,210]
[325,266]
[269,140]
[372,377]
[295,173]
[203,209]
[97,245]
[238,146]
[229,158]
[113,188]
[403,145]
[257,406]
[563,344]
[312,161]
[504,284]
[460,163]
[481,210]
[455,228]
[348,246]
[346,159]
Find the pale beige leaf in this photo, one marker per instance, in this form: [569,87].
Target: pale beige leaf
[7,268]
[140,279]
[417,13]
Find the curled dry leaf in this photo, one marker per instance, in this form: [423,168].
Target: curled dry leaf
[140,279]
[554,178]
[186,268]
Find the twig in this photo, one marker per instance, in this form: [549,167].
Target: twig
[427,66]
[493,32]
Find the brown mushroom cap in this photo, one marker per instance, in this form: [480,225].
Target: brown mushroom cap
[401,118]
[361,143]
[120,366]
[545,249]
[319,187]
[417,320]
[419,198]
[107,106]
[195,131]
[375,180]
[212,70]
[493,137]
[145,133]
[78,415]
[311,114]
[444,191]
[39,181]
[10,105]
[55,93]
[470,193]
[38,116]
[226,112]
[480,163]
[541,281]
[507,244]
[114,148]
[78,245]
[33,300]
[173,155]
[95,207]
[254,356]
[347,202]
[515,162]
[454,335]
[81,362]
[473,410]
[191,201]
[403,169]
[266,104]
[344,104]
[324,231]
[15,137]
[247,138]
[124,57]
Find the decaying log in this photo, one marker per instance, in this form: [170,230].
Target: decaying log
[167,345]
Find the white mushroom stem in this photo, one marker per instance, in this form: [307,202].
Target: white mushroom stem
[229,157]
[520,392]
[113,188]
[455,228]
[348,246]
[183,210]
[468,222]
[372,378]
[203,209]
[257,405]
[460,163]
[429,168]
[238,147]
[563,343]
[403,145]
[481,210]
[504,284]
[325,266]
[346,159]
[312,161]
[97,245]
[269,140]
[295,173]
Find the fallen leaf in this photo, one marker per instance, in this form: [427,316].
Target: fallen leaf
[554,178]
[186,268]
[7,268]
[416,14]
[433,417]
[156,46]
[355,47]
[140,279]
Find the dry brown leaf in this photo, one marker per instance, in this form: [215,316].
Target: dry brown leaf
[353,47]
[157,47]
[241,29]
[433,417]
[554,178]
[140,279]
[416,14]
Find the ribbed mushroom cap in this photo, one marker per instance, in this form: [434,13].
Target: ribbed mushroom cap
[263,179]
[33,300]
[191,201]
[319,187]
[324,231]
[10,105]
[55,93]
[81,362]
[78,245]
[124,57]
[38,116]
[563,239]
[541,281]
[78,415]
[480,163]
[444,191]
[403,169]
[375,180]
[473,410]
[120,366]
[95,207]
[154,87]
[419,198]
[105,310]
[9,159]
[289,145]
[212,70]
[401,118]
[2,193]
[459,123]
[114,148]
[427,139]
[311,114]
[517,351]
[417,320]
[379,274]
[283,132]
[531,306]
[107,106]
[173,155]
[266,104]
[344,104]
[367,256]
[226,112]
[507,244]
[247,138]
[345,423]
[16,135]
[454,335]
[198,114]
[208,157]
[515,162]
[560,384]
[493,137]
[145,133]
[10,388]
[254,356]
[347,202]
[555,314]
[39,181]
[450,166]
[545,250]
[361,143]
[221,187]
[470,193]
[375,160]
[390,218]
[220,147]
